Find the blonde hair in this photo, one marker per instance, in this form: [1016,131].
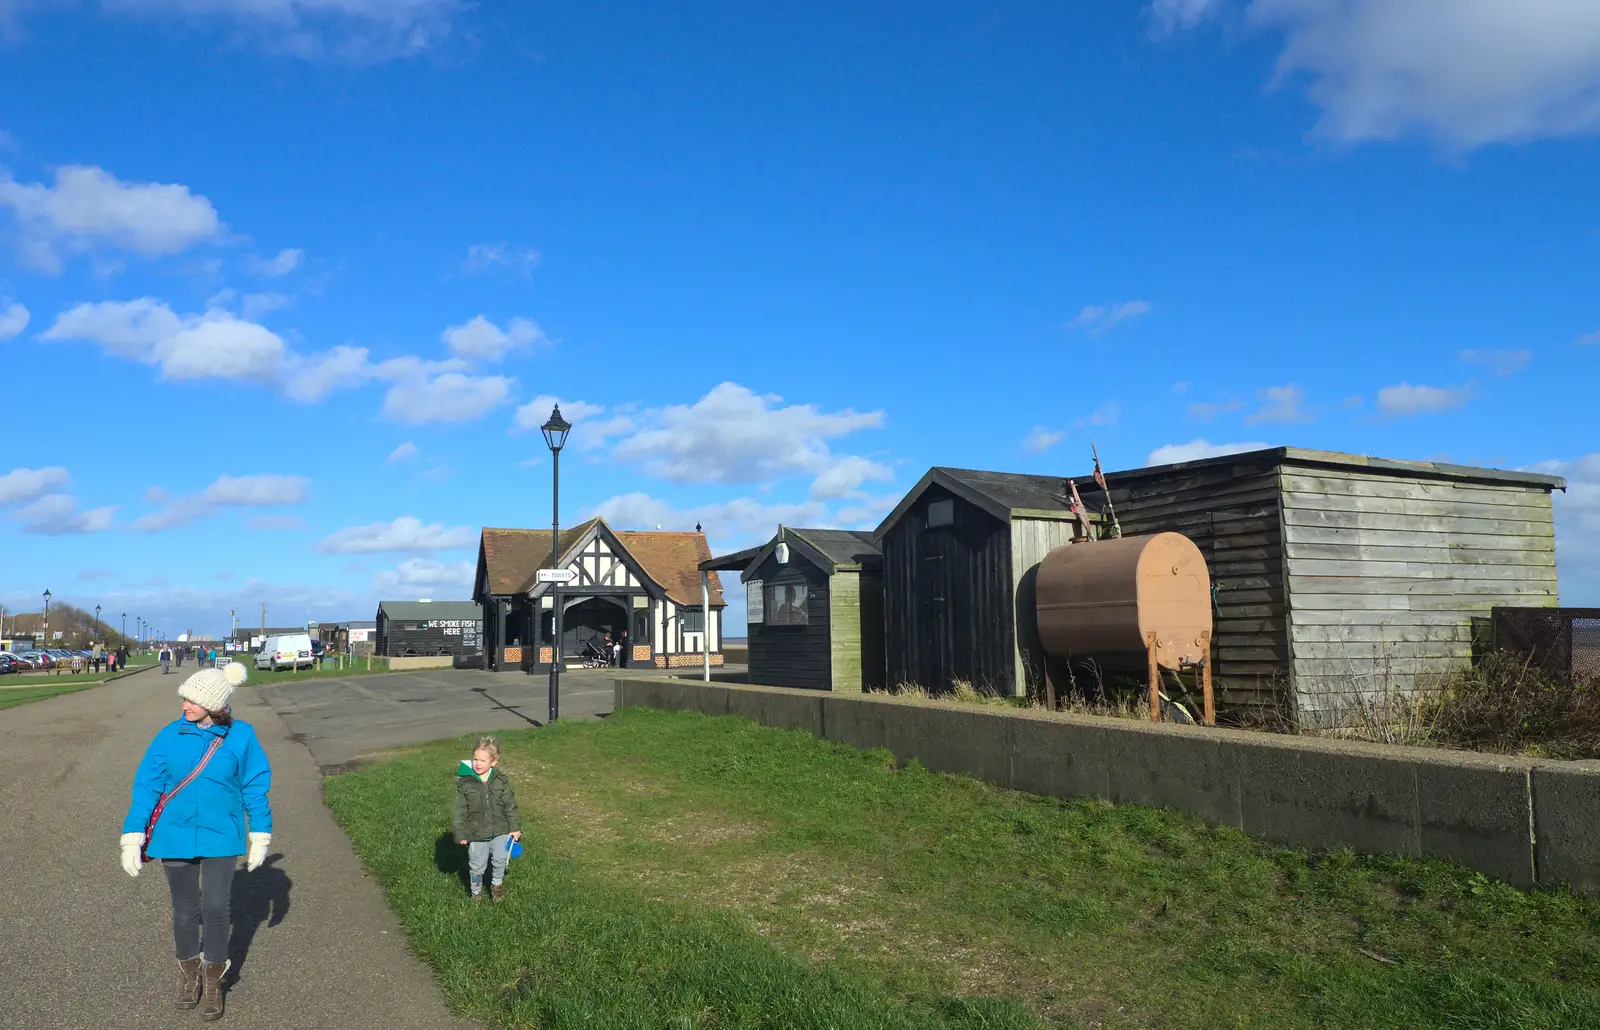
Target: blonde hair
[489,744]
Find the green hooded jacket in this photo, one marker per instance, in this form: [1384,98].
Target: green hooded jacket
[484,810]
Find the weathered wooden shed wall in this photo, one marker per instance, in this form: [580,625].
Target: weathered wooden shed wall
[1386,572]
[948,595]
[1031,540]
[1231,512]
[794,656]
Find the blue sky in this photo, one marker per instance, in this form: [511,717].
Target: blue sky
[283,283]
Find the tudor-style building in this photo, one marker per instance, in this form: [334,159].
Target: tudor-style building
[644,584]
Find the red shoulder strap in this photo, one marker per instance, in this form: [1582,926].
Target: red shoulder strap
[216,742]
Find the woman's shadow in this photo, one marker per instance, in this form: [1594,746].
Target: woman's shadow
[261,896]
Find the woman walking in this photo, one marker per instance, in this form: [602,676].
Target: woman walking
[203,776]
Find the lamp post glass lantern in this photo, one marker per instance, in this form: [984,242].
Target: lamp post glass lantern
[555,437]
[46,626]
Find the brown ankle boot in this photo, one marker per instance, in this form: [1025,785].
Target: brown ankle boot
[189,988]
[497,892]
[211,997]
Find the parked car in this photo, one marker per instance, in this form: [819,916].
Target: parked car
[291,650]
[40,659]
[19,663]
[9,663]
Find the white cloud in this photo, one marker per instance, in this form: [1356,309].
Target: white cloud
[1181,387]
[482,340]
[13,318]
[1097,320]
[354,30]
[846,475]
[1210,410]
[1404,399]
[1107,414]
[868,513]
[1194,450]
[424,577]
[254,305]
[287,261]
[20,485]
[1498,362]
[1589,339]
[536,413]
[1169,16]
[733,435]
[88,207]
[404,534]
[311,378]
[405,452]
[484,257]
[258,491]
[58,515]
[1464,72]
[450,397]
[1281,404]
[275,522]
[728,525]
[1040,439]
[1577,515]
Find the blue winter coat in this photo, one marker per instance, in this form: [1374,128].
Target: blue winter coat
[206,819]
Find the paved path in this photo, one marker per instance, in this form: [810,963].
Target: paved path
[85,947]
[345,719]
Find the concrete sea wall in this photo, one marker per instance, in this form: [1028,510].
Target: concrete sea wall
[1526,821]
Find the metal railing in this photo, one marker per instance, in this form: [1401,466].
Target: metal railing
[1563,643]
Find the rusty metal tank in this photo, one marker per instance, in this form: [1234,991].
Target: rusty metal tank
[1101,600]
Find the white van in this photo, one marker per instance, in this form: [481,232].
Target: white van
[290,651]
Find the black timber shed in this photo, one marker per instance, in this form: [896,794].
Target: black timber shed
[814,608]
[959,552]
[406,628]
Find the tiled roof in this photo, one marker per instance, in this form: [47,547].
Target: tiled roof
[673,560]
[513,556]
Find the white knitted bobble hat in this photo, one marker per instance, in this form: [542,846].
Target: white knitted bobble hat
[211,688]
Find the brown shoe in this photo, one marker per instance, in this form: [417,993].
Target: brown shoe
[211,996]
[497,892]
[189,987]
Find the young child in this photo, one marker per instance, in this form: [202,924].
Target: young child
[485,816]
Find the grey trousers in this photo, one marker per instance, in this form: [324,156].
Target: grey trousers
[481,853]
[202,894]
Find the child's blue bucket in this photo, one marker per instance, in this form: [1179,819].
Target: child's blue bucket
[513,847]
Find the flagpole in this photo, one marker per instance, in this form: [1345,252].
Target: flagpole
[1100,477]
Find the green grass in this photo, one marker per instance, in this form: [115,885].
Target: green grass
[11,697]
[688,871]
[326,670]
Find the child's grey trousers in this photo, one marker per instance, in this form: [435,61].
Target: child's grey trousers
[481,853]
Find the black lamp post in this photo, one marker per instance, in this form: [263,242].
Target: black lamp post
[46,643]
[97,623]
[555,435]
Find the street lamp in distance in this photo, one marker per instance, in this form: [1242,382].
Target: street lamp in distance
[555,437]
[97,623]
[46,619]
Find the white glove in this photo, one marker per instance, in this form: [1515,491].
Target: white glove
[131,843]
[258,851]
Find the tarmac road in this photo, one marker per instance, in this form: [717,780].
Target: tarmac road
[85,947]
[344,720]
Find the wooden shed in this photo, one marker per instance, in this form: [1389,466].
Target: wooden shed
[959,552]
[408,628]
[1337,575]
[814,608]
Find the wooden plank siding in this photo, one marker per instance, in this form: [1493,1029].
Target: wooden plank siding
[844,624]
[947,599]
[793,656]
[1232,514]
[1031,540]
[1385,574]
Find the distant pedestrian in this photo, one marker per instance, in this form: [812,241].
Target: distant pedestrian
[212,657]
[219,765]
[111,661]
[485,817]
[166,660]
[122,657]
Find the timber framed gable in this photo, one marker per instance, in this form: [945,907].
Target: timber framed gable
[601,564]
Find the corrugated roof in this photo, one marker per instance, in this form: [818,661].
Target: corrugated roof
[673,561]
[423,611]
[841,546]
[514,556]
[1339,459]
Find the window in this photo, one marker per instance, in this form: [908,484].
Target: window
[693,619]
[754,594]
[786,605]
[942,513]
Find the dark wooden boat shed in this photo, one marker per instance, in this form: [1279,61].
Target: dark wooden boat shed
[407,628]
[814,608]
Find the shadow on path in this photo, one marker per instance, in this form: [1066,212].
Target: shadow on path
[501,706]
[259,897]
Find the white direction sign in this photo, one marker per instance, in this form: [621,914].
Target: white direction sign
[557,575]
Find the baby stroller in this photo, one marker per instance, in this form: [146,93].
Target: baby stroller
[594,657]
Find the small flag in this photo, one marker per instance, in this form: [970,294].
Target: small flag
[1099,476]
[1079,509]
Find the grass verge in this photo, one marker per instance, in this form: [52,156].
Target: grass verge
[324,671]
[688,871]
[11,697]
